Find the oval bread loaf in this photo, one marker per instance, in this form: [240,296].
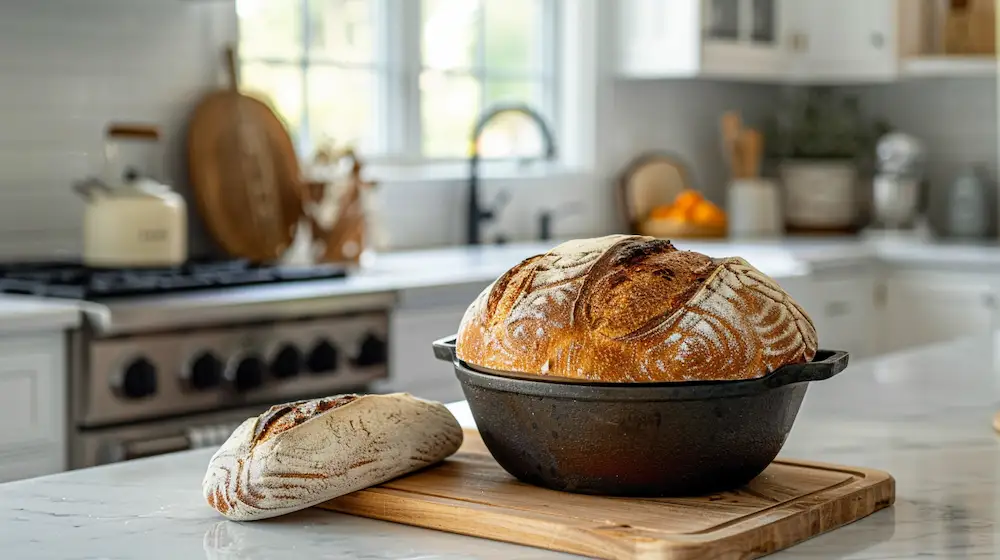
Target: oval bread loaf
[627,308]
[303,453]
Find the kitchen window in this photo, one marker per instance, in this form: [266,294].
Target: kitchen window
[403,80]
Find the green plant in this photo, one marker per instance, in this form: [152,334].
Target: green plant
[816,123]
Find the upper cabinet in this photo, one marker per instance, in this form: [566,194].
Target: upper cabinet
[796,41]
[842,41]
[690,38]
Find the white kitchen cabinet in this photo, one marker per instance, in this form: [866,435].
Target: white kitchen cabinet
[844,313]
[926,307]
[32,405]
[843,41]
[786,41]
[840,304]
[689,38]
[421,317]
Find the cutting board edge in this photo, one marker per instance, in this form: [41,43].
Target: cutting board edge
[874,492]
[871,491]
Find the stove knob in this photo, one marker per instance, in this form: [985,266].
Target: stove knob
[205,372]
[322,357]
[248,374]
[138,379]
[372,352]
[287,362]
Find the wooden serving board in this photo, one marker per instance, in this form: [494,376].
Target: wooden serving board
[471,494]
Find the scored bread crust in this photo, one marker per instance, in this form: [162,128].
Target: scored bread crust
[626,308]
[300,454]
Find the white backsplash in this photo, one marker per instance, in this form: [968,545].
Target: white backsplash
[956,119]
[67,69]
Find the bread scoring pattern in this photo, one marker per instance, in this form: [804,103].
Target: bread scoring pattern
[300,454]
[635,309]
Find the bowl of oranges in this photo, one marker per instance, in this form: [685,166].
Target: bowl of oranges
[690,215]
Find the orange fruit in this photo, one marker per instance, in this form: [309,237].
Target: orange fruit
[676,215]
[708,214]
[687,198]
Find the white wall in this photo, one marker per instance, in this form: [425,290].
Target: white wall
[956,119]
[682,117]
[67,68]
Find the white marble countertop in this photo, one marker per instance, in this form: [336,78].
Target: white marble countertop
[396,272]
[783,257]
[924,416]
[23,313]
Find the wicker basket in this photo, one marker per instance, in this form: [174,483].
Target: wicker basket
[673,229]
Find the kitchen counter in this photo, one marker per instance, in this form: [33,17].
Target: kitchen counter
[19,314]
[924,416]
[389,274]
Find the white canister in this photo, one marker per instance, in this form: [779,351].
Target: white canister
[754,208]
[820,194]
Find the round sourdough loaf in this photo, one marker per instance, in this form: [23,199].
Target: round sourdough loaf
[628,308]
[300,454]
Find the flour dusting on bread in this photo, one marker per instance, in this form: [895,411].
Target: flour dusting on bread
[299,454]
[630,308]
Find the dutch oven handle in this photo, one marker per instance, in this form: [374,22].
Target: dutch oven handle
[444,349]
[825,365]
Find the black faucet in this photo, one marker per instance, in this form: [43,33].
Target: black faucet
[477,215]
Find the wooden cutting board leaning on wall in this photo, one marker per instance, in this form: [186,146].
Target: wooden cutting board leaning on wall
[244,172]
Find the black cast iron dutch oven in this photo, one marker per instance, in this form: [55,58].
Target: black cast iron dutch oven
[638,439]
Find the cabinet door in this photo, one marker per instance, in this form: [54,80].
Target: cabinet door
[659,38]
[32,406]
[743,39]
[753,22]
[842,311]
[412,365]
[925,309]
[29,400]
[843,41]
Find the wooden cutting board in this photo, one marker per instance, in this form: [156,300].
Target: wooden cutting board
[471,494]
[245,172]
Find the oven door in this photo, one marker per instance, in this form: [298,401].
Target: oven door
[101,446]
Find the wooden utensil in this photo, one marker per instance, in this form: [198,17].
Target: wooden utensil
[730,125]
[471,494]
[245,172]
[750,149]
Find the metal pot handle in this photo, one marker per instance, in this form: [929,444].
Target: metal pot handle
[444,349]
[825,365]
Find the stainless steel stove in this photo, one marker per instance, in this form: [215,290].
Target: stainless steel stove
[173,359]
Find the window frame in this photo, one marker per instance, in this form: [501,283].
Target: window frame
[398,127]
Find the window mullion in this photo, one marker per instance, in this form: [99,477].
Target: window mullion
[551,69]
[387,81]
[479,68]
[304,139]
[410,65]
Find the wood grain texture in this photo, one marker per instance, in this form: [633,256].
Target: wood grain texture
[299,454]
[470,494]
[245,173]
[635,309]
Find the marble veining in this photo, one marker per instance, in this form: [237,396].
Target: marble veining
[924,416]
